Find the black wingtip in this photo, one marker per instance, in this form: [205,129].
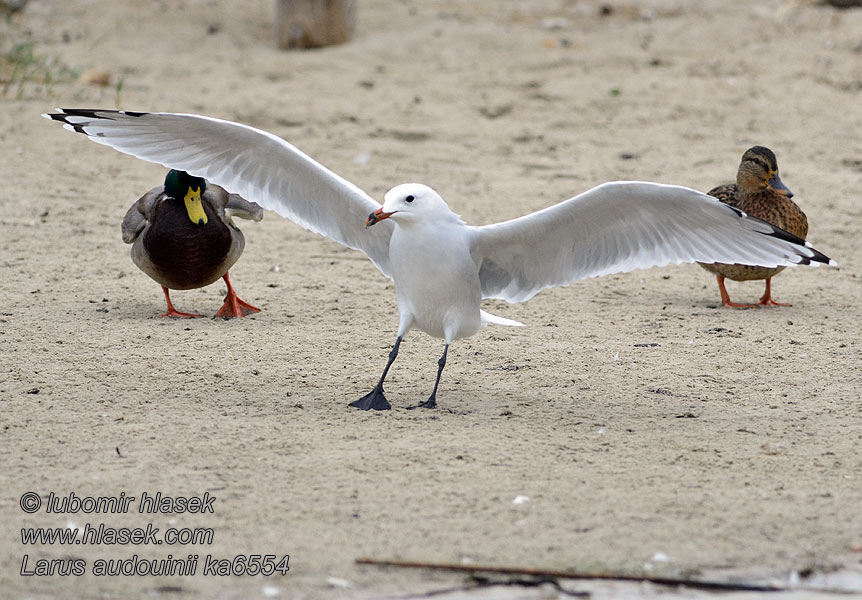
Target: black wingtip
[776,232]
[91,113]
[816,255]
[63,115]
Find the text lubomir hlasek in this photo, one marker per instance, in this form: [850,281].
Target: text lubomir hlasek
[147,503]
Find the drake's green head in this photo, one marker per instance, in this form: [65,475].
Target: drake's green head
[182,186]
[759,171]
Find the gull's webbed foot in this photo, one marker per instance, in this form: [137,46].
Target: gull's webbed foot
[373,400]
[429,403]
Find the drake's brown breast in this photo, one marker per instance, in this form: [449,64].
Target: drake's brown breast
[185,254]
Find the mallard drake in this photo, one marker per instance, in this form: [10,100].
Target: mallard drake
[183,237]
[442,267]
[759,192]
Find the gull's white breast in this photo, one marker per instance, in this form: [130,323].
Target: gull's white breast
[436,280]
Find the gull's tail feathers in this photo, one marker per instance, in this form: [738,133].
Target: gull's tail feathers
[488,318]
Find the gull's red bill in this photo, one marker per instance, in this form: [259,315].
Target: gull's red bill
[378,215]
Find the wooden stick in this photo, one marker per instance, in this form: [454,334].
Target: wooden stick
[313,23]
[555,574]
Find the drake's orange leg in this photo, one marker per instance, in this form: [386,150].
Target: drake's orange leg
[725,298]
[233,306]
[767,300]
[173,312]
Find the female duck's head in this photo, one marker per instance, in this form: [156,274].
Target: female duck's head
[758,171]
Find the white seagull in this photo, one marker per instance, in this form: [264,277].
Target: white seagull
[442,267]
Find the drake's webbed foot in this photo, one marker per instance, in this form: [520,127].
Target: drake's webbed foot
[234,307]
[173,313]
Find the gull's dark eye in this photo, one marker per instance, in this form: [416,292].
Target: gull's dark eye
[409,198]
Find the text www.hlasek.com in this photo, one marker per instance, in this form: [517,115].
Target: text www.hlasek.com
[101,534]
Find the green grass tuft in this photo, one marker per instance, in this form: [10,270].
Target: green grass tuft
[22,65]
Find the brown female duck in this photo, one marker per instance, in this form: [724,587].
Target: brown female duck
[759,192]
[183,237]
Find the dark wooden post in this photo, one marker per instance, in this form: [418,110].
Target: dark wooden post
[313,23]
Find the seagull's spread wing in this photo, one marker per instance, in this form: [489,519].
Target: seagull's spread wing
[623,226]
[255,164]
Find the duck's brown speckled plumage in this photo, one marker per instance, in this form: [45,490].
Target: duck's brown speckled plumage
[760,193]
[181,255]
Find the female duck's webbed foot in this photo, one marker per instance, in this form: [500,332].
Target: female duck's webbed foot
[725,297]
[767,300]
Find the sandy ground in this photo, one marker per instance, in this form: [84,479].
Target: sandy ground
[730,448]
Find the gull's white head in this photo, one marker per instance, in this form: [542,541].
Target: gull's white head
[410,202]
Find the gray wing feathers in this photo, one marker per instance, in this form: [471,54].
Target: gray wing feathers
[619,227]
[247,161]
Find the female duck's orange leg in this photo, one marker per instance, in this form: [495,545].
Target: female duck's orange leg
[725,298]
[173,312]
[767,300]
[233,306]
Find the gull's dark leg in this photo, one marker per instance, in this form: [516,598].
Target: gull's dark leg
[432,401]
[375,400]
